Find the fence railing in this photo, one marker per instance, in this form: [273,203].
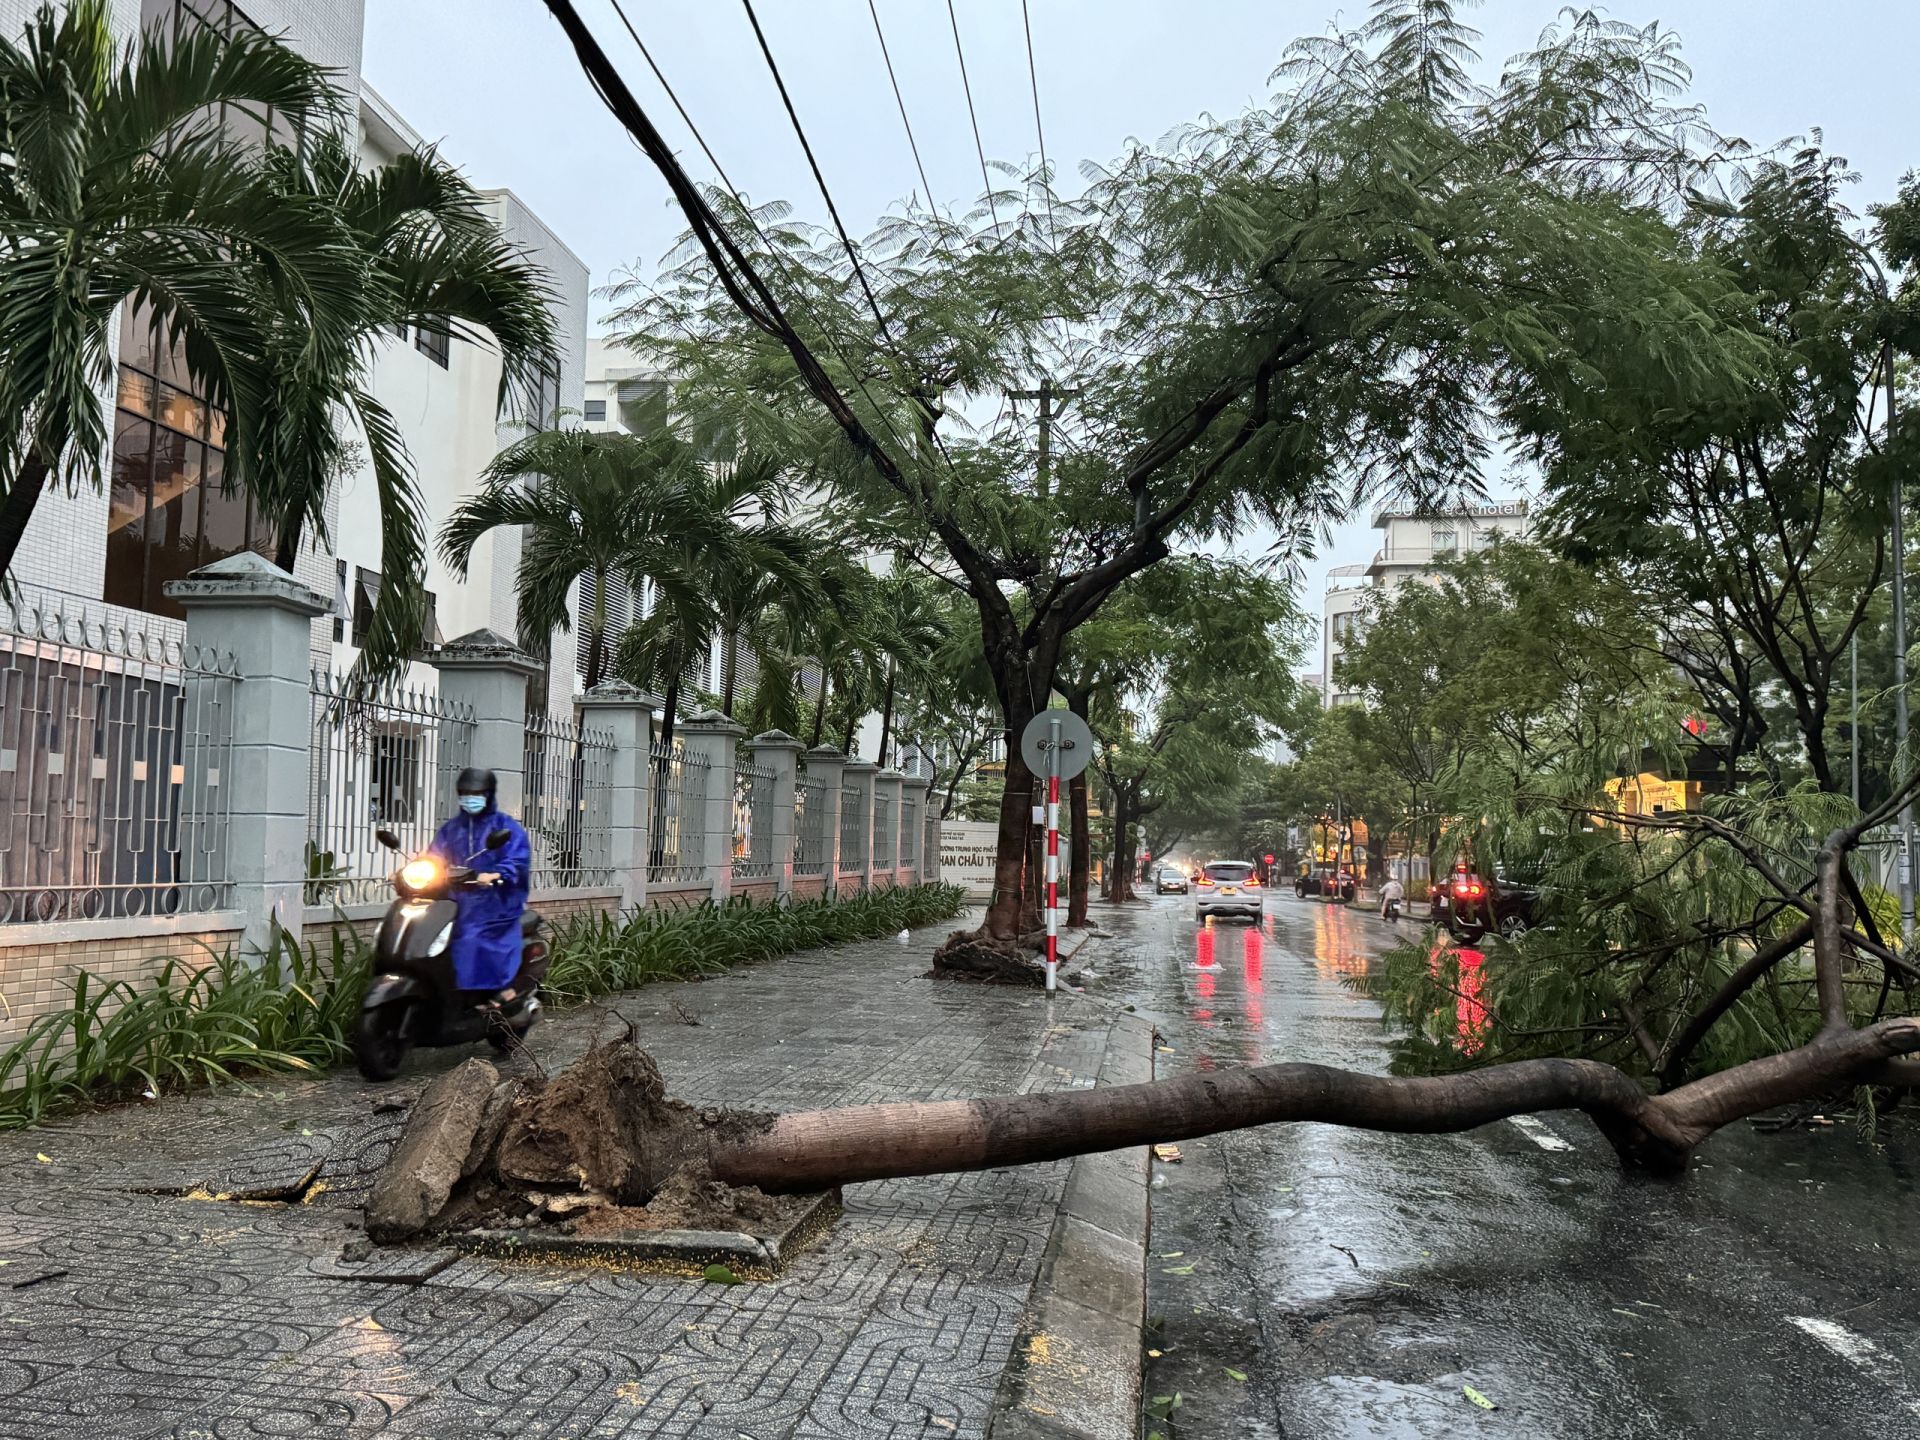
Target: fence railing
[883,851]
[752,821]
[568,803]
[812,846]
[384,758]
[115,743]
[909,832]
[930,841]
[853,829]
[677,842]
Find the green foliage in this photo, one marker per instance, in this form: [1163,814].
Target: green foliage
[600,954]
[187,1025]
[123,183]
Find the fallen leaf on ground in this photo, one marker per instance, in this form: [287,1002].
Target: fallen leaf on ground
[1477,1398]
[1161,1406]
[1233,1374]
[1168,1153]
[1177,1270]
[1153,1354]
[1172,1254]
[719,1275]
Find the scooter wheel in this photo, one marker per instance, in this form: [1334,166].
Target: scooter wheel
[380,1044]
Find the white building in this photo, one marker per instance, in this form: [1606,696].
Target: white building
[1413,547]
[162,515]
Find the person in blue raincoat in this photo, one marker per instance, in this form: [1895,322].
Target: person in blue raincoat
[486,942]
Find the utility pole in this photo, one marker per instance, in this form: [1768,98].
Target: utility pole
[1046,395]
[1904,758]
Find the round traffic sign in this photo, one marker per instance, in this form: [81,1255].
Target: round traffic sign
[1057,738]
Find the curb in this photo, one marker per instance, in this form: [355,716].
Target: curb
[1076,1372]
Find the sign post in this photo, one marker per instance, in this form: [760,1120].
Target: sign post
[1057,744]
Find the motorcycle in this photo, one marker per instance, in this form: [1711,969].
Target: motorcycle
[413,997]
[1390,911]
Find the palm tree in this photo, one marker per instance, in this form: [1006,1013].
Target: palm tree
[118,183]
[913,630]
[723,580]
[592,508]
[426,254]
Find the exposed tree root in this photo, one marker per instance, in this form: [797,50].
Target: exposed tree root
[605,1128]
[976,956]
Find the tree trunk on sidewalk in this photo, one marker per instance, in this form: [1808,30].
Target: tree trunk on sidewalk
[604,1125]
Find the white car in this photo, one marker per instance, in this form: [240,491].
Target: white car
[1229,887]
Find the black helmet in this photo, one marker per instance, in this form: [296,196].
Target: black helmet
[473,781]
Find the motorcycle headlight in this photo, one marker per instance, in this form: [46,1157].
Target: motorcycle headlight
[420,874]
[442,940]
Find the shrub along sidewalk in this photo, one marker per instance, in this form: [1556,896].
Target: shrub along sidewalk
[293,1009]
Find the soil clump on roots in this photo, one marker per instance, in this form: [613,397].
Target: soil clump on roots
[599,1149]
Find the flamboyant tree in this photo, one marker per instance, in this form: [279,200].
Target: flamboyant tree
[1264,316]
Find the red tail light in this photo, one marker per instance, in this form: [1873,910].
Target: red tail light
[1468,889]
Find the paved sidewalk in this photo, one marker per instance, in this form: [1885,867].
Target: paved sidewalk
[194,1318]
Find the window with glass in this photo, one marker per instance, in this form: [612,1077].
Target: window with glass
[1445,542]
[168,510]
[250,124]
[432,341]
[595,410]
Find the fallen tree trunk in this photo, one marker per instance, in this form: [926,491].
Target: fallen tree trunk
[604,1127]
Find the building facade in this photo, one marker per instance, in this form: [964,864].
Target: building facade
[1413,547]
[162,513]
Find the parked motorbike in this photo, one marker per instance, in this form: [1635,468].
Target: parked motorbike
[413,997]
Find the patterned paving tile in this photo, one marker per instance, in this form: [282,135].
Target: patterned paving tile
[203,1321]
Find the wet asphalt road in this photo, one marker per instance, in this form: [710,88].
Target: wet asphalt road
[1360,1281]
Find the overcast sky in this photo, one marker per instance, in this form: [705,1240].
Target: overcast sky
[495,81]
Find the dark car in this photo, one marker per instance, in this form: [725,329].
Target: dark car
[1477,905]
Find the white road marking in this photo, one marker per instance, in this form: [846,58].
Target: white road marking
[1538,1133]
[1859,1352]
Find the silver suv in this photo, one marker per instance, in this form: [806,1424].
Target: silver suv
[1229,887]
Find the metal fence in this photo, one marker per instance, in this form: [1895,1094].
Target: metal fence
[382,758]
[115,746]
[909,832]
[884,857]
[752,821]
[567,803]
[812,846]
[677,846]
[853,829]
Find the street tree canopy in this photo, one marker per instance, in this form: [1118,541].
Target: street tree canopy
[1267,317]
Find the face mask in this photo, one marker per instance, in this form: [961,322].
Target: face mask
[473,804]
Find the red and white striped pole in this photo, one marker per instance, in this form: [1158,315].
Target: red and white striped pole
[1053,855]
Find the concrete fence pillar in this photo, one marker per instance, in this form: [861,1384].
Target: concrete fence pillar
[889,786]
[856,781]
[712,737]
[825,767]
[488,673]
[261,616]
[930,832]
[626,713]
[779,753]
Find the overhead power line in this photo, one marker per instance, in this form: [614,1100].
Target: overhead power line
[846,241]
[735,271]
[973,115]
[1033,77]
[912,144]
